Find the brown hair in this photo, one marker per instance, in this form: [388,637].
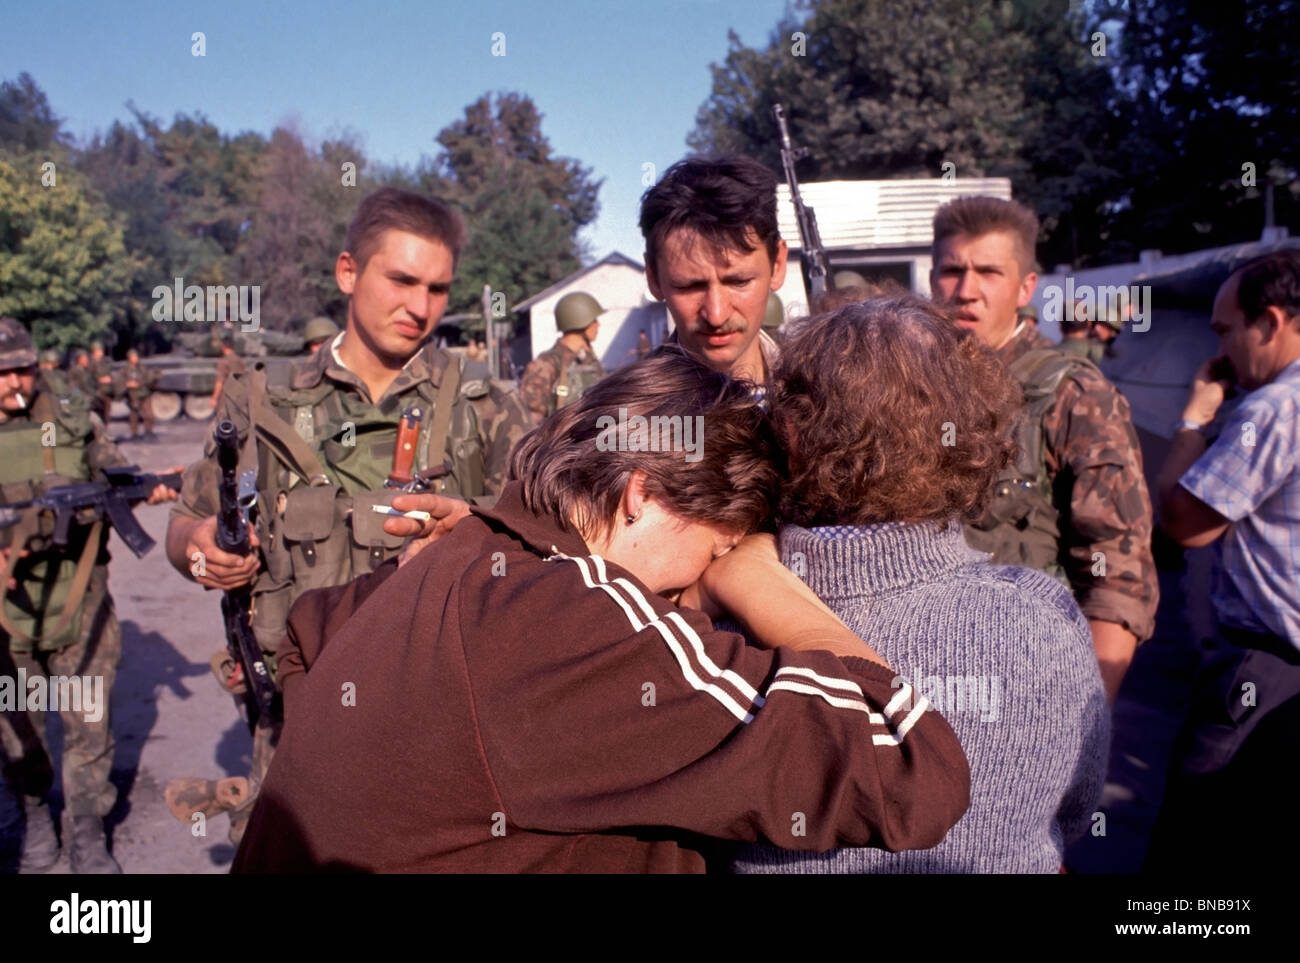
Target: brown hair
[394,209]
[977,216]
[867,397]
[1270,280]
[572,471]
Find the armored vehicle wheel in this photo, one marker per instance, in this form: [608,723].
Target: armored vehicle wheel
[166,405]
[199,407]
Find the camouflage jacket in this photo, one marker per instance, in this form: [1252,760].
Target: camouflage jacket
[1095,464]
[542,375]
[144,379]
[322,532]
[103,368]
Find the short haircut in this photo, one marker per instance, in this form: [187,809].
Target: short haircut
[394,209]
[571,477]
[977,216]
[1270,280]
[728,201]
[890,412]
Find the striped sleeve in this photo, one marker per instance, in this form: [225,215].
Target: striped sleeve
[655,719]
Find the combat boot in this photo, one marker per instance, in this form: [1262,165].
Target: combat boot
[40,845]
[87,847]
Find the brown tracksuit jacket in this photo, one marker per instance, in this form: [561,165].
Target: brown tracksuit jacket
[508,702]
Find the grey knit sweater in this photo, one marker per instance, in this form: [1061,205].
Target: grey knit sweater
[1005,654]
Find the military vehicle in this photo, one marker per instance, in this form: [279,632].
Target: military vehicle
[187,374]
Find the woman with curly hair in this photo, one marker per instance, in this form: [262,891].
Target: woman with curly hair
[895,424]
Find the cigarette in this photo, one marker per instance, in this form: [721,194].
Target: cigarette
[22,402]
[394,513]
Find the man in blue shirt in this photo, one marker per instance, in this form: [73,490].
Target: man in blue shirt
[1243,492]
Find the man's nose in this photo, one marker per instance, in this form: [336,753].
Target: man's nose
[717,307]
[967,288]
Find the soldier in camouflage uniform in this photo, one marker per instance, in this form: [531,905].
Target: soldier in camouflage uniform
[139,382]
[558,376]
[58,620]
[101,369]
[49,360]
[1089,333]
[1075,503]
[79,374]
[321,435]
[318,332]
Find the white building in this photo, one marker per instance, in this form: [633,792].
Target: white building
[619,284]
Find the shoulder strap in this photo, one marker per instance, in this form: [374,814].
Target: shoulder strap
[76,591]
[279,436]
[44,410]
[447,392]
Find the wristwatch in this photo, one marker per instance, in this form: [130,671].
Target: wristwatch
[1192,425]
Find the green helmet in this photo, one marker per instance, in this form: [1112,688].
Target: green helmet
[775,314]
[1027,313]
[318,329]
[96,346]
[49,356]
[575,311]
[850,279]
[1110,316]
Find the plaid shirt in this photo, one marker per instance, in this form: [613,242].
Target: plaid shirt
[1251,476]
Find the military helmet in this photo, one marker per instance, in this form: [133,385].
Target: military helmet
[850,279]
[96,345]
[79,354]
[576,310]
[1027,313]
[774,316]
[16,348]
[1110,316]
[318,329]
[49,356]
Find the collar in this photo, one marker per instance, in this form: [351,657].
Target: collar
[541,533]
[427,364]
[1023,340]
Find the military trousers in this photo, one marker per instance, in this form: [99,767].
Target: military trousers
[78,680]
[140,409]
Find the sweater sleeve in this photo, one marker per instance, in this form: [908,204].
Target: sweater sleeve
[1081,684]
[656,719]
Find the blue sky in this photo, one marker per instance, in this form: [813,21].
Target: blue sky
[618,82]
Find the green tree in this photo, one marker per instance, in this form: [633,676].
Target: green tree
[26,120]
[62,270]
[524,206]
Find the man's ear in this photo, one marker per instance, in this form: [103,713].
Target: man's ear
[1028,284]
[652,278]
[634,497]
[1273,320]
[779,265]
[345,272]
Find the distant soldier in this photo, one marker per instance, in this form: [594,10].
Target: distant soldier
[139,383]
[773,317]
[643,347]
[1088,333]
[848,280]
[1028,314]
[229,364]
[322,438]
[317,332]
[58,619]
[49,360]
[79,374]
[101,368]
[558,376]
[1075,502]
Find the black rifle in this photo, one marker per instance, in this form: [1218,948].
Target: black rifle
[87,502]
[238,491]
[814,255]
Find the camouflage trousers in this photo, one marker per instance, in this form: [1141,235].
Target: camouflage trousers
[87,728]
[140,409]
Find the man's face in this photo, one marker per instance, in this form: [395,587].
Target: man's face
[717,296]
[15,382]
[980,279]
[1241,342]
[83,361]
[400,295]
[97,353]
[590,332]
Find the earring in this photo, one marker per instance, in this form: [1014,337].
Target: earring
[633,518]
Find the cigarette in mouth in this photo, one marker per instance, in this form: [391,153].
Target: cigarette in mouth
[394,513]
[22,402]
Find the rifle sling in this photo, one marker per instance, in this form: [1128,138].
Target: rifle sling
[80,580]
[283,440]
[45,412]
[447,391]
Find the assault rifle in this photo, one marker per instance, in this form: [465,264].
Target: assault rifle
[814,255]
[87,502]
[238,493]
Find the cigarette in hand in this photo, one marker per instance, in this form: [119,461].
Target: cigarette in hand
[394,513]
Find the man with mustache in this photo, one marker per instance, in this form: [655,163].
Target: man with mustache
[713,254]
[1075,504]
[323,439]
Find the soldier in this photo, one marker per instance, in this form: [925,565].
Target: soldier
[57,617]
[80,376]
[139,382]
[101,369]
[1028,314]
[49,360]
[713,254]
[323,434]
[773,318]
[558,376]
[1076,502]
[1089,334]
[317,332]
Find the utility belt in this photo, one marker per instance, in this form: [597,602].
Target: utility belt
[1268,642]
